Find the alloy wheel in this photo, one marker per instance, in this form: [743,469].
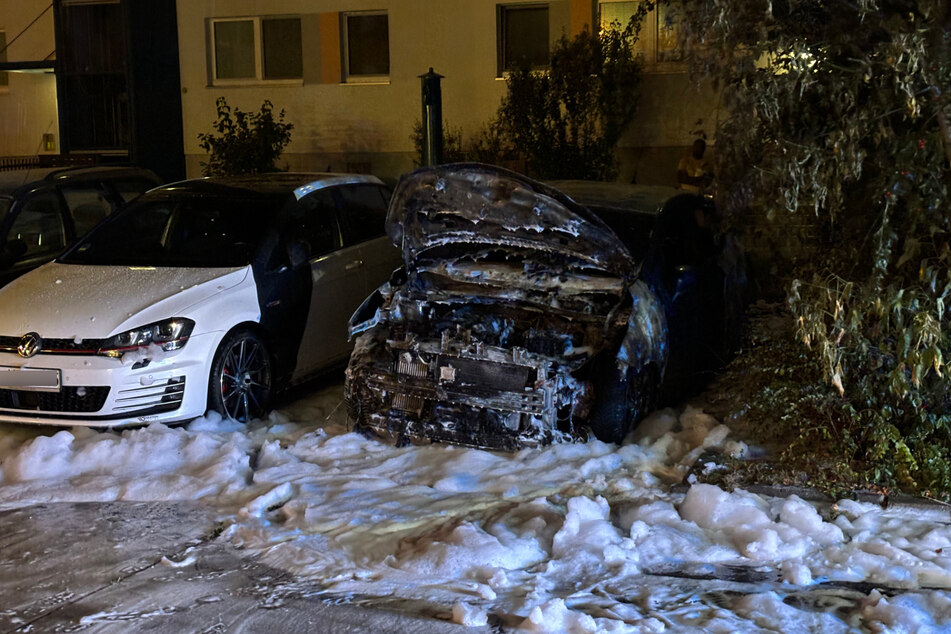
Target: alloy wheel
[244,378]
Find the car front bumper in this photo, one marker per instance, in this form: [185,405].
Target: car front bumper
[98,391]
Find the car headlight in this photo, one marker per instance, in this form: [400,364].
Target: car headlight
[170,334]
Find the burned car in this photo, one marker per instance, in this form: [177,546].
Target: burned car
[518,319]
[696,270]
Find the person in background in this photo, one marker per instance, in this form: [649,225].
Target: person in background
[694,173]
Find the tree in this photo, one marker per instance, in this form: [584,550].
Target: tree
[839,116]
[567,121]
[244,142]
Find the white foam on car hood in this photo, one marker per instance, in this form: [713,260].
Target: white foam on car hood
[94,302]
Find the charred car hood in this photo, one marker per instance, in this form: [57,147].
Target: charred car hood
[467,209]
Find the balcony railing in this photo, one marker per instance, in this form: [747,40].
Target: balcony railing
[46,160]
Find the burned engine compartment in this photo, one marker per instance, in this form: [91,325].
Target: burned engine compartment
[512,301]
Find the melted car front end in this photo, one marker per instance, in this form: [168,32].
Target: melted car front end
[512,303]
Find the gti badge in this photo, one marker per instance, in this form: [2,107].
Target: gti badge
[30,344]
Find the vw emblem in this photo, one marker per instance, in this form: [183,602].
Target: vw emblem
[30,344]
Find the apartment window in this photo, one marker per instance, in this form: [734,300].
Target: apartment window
[658,47]
[522,33]
[366,46]
[256,49]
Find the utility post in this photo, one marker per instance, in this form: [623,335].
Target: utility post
[432,118]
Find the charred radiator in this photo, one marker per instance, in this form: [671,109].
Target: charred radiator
[475,382]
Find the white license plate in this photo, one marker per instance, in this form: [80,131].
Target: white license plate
[31,379]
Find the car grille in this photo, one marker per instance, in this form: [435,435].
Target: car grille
[69,399]
[54,346]
[160,397]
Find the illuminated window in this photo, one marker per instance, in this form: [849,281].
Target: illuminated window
[366,46]
[522,33]
[658,46]
[256,49]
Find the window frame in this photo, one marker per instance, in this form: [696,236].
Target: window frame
[650,34]
[502,65]
[346,76]
[258,45]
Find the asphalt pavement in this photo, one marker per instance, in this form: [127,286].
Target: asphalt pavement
[158,567]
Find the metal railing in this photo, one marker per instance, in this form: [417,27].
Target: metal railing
[46,160]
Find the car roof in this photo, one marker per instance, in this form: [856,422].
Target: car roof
[648,199]
[12,180]
[271,183]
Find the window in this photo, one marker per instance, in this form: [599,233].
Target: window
[92,78]
[658,47]
[522,37]
[87,205]
[366,46]
[39,224]
[363,212]
[316,226]
[255,49]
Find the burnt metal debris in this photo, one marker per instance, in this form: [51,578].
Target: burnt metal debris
[520,316]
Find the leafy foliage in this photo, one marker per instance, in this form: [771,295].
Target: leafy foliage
[244,142]
[453,150]
[839,117]
[568,121]
[487,145]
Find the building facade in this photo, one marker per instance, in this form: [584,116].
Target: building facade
[346,73]
[29,121]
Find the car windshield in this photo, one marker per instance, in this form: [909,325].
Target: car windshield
[178,231]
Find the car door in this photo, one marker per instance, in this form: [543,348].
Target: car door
[34,231]
[336,283]
[362,211]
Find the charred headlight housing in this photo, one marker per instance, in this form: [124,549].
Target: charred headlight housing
[170,334]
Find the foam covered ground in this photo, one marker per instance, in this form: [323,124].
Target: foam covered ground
[568,538]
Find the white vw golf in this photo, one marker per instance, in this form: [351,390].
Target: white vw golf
[203,294]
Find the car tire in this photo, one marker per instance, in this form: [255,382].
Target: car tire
[624,398]
[240,384]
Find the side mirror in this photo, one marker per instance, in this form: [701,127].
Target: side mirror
[12,251]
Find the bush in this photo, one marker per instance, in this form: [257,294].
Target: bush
[453,150]
[244,142]
[839,117]
[487,145]
[567,121]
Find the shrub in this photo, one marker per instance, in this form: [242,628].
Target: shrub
[244,142]
[839,117]
[453,150]
[567,121]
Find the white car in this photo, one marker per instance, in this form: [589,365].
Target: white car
[203,294]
